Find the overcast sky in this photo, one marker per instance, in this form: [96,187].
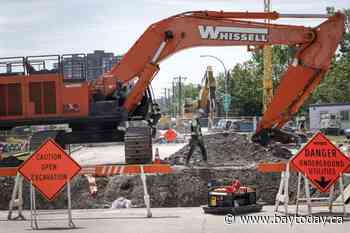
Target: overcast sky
[34,27]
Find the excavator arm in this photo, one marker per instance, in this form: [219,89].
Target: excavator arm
[315,48]
[206,94]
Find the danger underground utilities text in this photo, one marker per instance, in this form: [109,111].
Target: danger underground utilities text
[317,166]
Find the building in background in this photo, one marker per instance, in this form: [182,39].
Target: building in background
[77,67]
[73,67]
[316,111]
[100,62]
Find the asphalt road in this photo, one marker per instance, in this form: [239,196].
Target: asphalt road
[169,220]
[115,154]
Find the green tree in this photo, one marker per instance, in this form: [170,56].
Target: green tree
[191,90]
[245,82]
[245,88]
[281,55]
[335,87]
[188,91]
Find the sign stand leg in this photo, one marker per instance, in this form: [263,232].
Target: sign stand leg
[33,210]
[298,194]
[341,186]
[279,193]
[283,194]
[286,190]
[31,205]
[307,193]
[330,199]
[146,195]
[70,220]
[33,213]
[17,199]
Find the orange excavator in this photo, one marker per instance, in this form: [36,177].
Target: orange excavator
[35,97]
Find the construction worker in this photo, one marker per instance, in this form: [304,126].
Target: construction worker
[119,93]
[154,118]
[1,156]
[120,96]
[196,138]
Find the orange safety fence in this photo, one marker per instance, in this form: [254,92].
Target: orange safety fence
[107,170]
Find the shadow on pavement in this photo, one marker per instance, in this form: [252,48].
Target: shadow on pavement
[126,217]
[56,229]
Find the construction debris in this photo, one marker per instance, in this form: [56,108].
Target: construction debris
[121,203]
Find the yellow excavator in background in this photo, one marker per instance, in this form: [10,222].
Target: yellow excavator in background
[206,98]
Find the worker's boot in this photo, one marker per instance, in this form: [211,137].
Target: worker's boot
[205,163]
[187,164]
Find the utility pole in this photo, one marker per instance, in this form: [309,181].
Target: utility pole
[173,101]
[169,102]
[267,53]
[179,81]
[164,99]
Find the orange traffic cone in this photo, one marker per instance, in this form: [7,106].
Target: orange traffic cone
[156,157]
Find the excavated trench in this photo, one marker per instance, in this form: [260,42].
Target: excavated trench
[231,156]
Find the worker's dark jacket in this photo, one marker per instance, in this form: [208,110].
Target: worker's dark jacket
[196,131]
[196,140]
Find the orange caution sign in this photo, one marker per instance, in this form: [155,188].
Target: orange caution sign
[321,162]
[49,168]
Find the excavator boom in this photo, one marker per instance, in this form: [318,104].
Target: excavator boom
[315,48]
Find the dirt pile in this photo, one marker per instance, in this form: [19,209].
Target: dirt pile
[233,149]
[236,155]
[180,189]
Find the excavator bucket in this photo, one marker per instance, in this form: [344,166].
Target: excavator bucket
[308,68]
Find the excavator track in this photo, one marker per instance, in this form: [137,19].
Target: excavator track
[138,145]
